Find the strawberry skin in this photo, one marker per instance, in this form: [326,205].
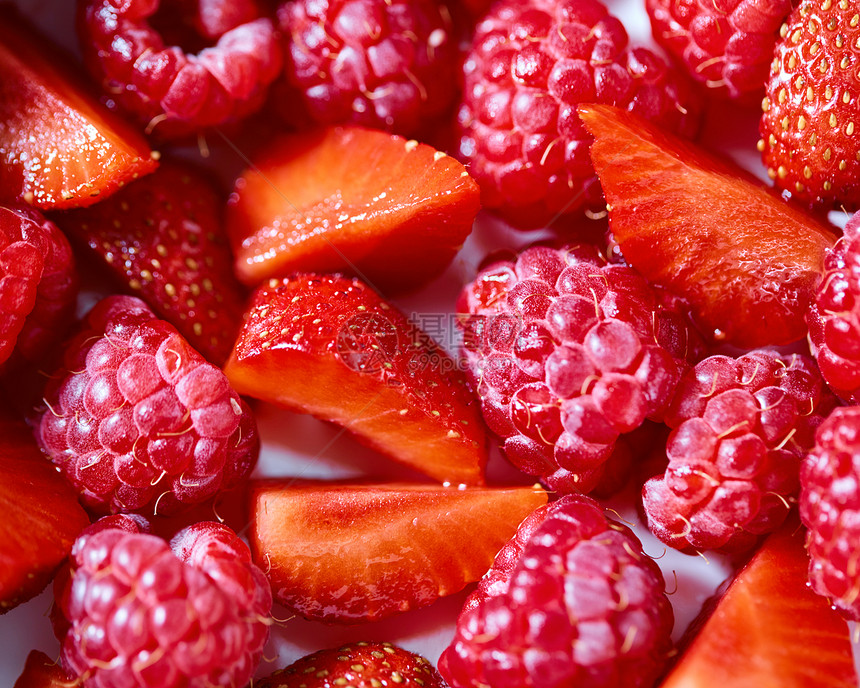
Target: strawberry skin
[746,261]
[769,630]
[41,515]
[810,129]
[40,671]
[351,553]
[163,238]
[349,199]
[329,346]
[58,147]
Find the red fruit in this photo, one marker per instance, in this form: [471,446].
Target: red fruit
[168,90]
[137,420]
[741,428]
[58,147]
[329,346]
[41,515]
[746,261]
[133,610]
[360,665]
[769,630]
[391,211]
[163,237]
[727,46]
[571,601]
[530,64]
[41,671]
[808,142]
[358,552]
[390,65]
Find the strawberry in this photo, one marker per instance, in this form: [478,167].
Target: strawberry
[329,346]
[163,237]
[391,211]
[58,147]
[41,515]
[769,630]
[746,261]
[358,552]
[360,665]
[40,671]
[808,139]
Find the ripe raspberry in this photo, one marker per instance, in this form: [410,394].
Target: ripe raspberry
[387,65]
[160,84]
[741,428]
[137,419]
[531,63]
[830,508]
[571,601]
[568,353]
[726,45]
[834,317]
[132,610]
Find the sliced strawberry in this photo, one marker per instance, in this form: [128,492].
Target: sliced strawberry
[391,211]
[41,515]
[329,346]
[353,553]
[769,630]
[163,237]
[40,671]
[58,147]
[745,260]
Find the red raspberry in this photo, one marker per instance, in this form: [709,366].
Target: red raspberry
[162,85]
[136,418]
[387,65]
[531,63]
[132,610]
[568,353]
[741,428]
[727,45]
[830,508]
[571,601]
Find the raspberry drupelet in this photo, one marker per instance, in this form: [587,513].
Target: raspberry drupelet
[568,353]
[138,420]
[741,427]
[571,601]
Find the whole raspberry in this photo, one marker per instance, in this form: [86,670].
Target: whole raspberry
[387,65]
[136,419]
[530,64]
[568,353]
[830,508]
[571,601]
[741,427]
[132,610]
[834,317]
[171,91]
[727,45]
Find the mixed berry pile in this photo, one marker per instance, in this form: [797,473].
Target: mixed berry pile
[209,213]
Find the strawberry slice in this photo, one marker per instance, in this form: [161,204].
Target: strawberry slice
[769,630]
[352,553]
[41,515]
[745,260]
[58,147]
[163,237]
[40,671]
[348,199]
[329,346]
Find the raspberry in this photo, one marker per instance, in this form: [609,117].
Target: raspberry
[741,426]
[830,508]
[162,85]
[571,601]
[135,418]
[726,45]
[132,610]
[387,65]
[568,353]
[530,64]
